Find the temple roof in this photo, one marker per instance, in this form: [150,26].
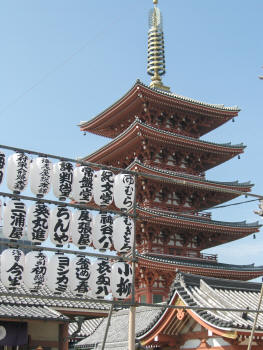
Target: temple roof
[204,264]
[213,232]
[152,213]
[87,328]
[137,130]
[195,178]
[192,180]
[117,336]
[192,291]
[102,124]
[41,300]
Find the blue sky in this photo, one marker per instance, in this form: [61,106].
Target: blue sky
[64,61]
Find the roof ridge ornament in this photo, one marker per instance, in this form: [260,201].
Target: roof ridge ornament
[156,54]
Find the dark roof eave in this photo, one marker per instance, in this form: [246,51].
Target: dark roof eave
[83,125]
[229,146]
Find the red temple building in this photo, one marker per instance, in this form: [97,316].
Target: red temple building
[157,134]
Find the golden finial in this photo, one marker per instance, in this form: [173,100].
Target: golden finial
[156,57]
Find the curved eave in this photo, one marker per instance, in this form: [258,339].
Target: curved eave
[200,268]
[233,188]
[238,229]
[137,130]
[220,323]
[169,316]
[104,120]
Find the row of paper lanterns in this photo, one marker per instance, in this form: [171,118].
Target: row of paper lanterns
[60,274]
[80,184]
[61,225]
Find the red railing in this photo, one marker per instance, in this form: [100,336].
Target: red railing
[186,255]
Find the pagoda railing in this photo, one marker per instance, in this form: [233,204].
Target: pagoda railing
[206,215]
[185,255]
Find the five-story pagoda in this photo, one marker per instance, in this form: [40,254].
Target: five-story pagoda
[156,132]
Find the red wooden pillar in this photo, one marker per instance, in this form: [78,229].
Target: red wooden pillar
[148,294]
[63,336]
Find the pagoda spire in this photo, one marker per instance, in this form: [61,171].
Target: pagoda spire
[156,55]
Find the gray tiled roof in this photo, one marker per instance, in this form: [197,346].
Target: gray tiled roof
[36,306]
[118,331]
[195,291]
[206,264]
[87,328]
[27,311]
[219,293]
[57,301]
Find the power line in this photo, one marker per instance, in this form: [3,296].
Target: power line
[56,68]
[238,203]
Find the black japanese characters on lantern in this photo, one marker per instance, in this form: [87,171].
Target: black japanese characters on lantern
[124,188]
[58,273]
[123,234]
[14,219]
[82,188]
[60,219]
[100,278]
[81,228]
[103,187]
[17,172]
[62,179]
[38,217]
[102,231]
[79,275]
[2,166]
[121,280]
[35,270]
[12,264]
[40,176]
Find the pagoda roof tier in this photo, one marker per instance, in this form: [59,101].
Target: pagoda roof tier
[201,267]
[168,174]
[138,133]
[115,119]
[216,232]
[225,190]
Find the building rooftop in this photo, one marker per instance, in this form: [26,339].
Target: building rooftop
[172,97]
[193,291]
[206,264]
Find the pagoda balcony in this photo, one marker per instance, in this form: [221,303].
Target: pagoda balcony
[186,255]
[202,215]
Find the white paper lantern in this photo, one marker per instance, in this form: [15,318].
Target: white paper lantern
[40,176]
[12,265]
[123,234]
[2,166]
[100,278]
[121,280]
[35,270]
[102,231]
[103,187]
[58,273]
[123,191]
[62,179]
[82,187]
[79,274]
[17,172]
[38,217]
[59,227]
[81,228]
[14,219]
